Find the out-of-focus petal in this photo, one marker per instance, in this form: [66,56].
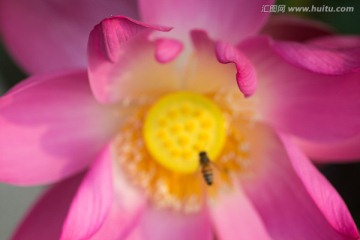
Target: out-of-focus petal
[316,107]
[45,219]
[235,218]
[245,75]
[50,127]
[336,42]
[52,34]
[320,59]
[227,20]
[343,151]
[159,224]
[293,199]
[122,61]
[167,49]
[293,28]
[127,208]
[93,200]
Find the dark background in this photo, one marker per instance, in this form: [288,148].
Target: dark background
[345,177]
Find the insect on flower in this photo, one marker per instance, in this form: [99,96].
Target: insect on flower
[206,169]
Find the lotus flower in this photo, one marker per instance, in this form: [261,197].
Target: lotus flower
[256,98]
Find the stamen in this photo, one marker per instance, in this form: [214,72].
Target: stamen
[168,187]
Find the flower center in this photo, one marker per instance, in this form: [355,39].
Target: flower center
[159,142]
[181,125]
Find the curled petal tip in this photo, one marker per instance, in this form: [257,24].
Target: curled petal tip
[246,74]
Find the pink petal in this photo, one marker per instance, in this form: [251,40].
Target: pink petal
[320,59]
[45,219]
[293,199]
[293,28]
[93,200]
[164,225]
[122,62]
[235,218]
[312,106]
[337,42]
[50,127]
[52,35]
[167,49]
[126,211]
[227,20]
[343,151]
[246,75]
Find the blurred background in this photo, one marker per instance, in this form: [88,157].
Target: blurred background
[15,201]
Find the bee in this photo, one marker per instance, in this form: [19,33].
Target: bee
[206,168]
